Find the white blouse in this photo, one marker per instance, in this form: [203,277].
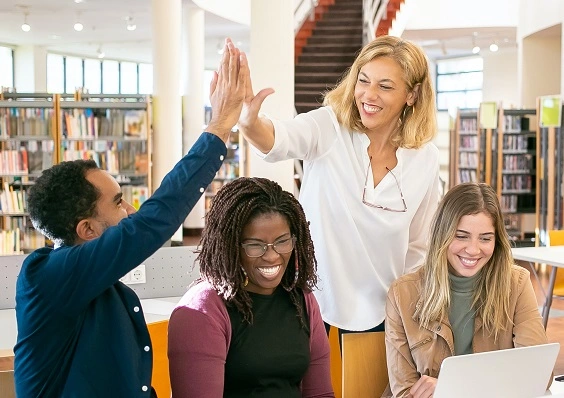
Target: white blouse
[360,250]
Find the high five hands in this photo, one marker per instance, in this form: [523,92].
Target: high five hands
[228,90]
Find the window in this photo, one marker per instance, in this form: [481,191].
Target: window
[92,76]
[73,74]
[110,77]
[145,79]
[55,73]
[6,67]
[459,83]
[128,80]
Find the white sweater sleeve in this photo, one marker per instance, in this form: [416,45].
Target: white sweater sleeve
[307,136]
[419,229]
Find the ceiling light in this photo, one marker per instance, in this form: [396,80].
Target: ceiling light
[78,26]
[25,26]
[101,54]
[475,50]
[130,24]
[475,47]
[493,47]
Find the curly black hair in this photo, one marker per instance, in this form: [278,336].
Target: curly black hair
[60,198]
[235,204]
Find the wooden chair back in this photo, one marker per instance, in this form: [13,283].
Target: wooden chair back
[365,371]
[7,387]
[556,238]
[159,339]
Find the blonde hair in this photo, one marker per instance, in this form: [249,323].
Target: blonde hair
[491,297]
[417,124]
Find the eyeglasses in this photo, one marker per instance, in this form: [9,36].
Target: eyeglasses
[379,206]
[282,246]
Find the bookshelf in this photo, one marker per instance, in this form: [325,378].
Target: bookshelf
[27,146]
[549,181]
[233,166]
[116,135]
[467,162]
[516,170]
[39,130]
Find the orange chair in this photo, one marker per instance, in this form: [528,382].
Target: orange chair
[556,238]
[365,370]
[159,339]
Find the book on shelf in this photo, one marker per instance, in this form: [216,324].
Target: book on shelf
[28,122]
[135,125]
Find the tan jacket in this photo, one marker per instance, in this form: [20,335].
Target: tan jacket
[413,351]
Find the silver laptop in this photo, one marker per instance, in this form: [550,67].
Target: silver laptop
[514,373]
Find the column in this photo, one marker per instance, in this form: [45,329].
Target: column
[192,96]
[167,104]
[271,61]
[30,69]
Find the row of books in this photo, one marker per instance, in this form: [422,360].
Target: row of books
[467,176]
[135,195]
[107,160]
[517,183]
[467,159]
[94,123]
[508,203]
[12,201]
[228,171]
[517,162]
[469,142]
[514,123]
[15,122]
[10,242]
[515,142]
[469,125]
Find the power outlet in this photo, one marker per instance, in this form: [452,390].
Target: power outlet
[135,276]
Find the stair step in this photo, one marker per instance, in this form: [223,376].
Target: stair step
[340,28]
[336,39]
[326,57]
[346,13]
[345,7]
[308,97]
[321,77]
[303,108]
[318,87]
[330,48]
[327,23]
[321,67]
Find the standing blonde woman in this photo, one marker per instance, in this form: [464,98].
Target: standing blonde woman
[468,297]
[371,181]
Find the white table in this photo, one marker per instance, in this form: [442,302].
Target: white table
[550,255]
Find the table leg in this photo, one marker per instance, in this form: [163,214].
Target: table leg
[548,301]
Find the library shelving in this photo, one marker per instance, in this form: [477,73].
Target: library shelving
[39,130]
[27,146]
[233,166]
[467,163]
[549,181]
[515,179]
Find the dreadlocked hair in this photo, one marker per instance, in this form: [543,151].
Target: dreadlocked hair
[234,205]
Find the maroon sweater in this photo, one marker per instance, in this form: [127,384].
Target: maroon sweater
[198,342]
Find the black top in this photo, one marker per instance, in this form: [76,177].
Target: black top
[270,357]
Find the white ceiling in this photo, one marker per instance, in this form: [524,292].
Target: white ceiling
[105,26]
[104,23]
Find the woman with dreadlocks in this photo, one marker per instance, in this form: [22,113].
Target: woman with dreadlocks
[250,326]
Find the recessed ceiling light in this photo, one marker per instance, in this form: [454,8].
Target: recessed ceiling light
[79,1]
[55,37]
[493,47]
[78,26]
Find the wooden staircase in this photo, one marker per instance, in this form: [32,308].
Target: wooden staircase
[326,47]
[328,52]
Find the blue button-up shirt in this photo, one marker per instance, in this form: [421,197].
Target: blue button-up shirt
[81,332]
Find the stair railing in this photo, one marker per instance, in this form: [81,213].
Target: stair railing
[373,11]
[303,11]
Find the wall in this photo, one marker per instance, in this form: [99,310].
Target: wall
[501,78]
[234,10]
[541,68]
[449,14]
